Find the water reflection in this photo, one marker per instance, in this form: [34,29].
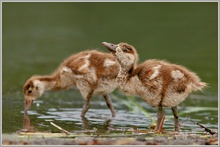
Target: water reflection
[85,126]
[105,125]
[27,125]
[85,123]
[97,121]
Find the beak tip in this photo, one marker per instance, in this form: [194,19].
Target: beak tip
[110,46]
[104,44]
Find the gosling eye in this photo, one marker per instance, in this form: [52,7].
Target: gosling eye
[126,48]
[129,48]
[27,87]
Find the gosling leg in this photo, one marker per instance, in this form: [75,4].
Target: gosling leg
[109,104]
[160,115]
[85,124]
[85,108]
[176,120]
[86,104]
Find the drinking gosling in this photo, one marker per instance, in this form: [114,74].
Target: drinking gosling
[91,72]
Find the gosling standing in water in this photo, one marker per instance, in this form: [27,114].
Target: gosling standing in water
[159,83]
[91,72]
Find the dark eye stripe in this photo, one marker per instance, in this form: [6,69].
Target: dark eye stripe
[127,50]
[28,86]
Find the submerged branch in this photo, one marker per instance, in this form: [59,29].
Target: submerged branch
[206,129]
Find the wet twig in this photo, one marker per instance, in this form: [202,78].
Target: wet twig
[68,133]
[206,129]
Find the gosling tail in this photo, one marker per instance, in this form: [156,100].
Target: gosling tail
[199,86]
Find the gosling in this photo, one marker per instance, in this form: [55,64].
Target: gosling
[159,83]
[91,72]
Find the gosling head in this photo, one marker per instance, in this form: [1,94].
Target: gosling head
[124,53]
[32,89]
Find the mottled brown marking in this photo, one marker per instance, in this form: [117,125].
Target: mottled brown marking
[97,60]
[145,70]
[76,61]
[166,76]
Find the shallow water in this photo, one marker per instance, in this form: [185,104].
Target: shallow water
[38,36]
[66,114]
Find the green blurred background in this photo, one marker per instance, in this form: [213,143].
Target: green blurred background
[37,36]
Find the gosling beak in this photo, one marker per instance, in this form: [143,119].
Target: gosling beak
[110,46]
[27,104]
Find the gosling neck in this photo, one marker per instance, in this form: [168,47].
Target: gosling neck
[126,72]
[123,77]
[48,83]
